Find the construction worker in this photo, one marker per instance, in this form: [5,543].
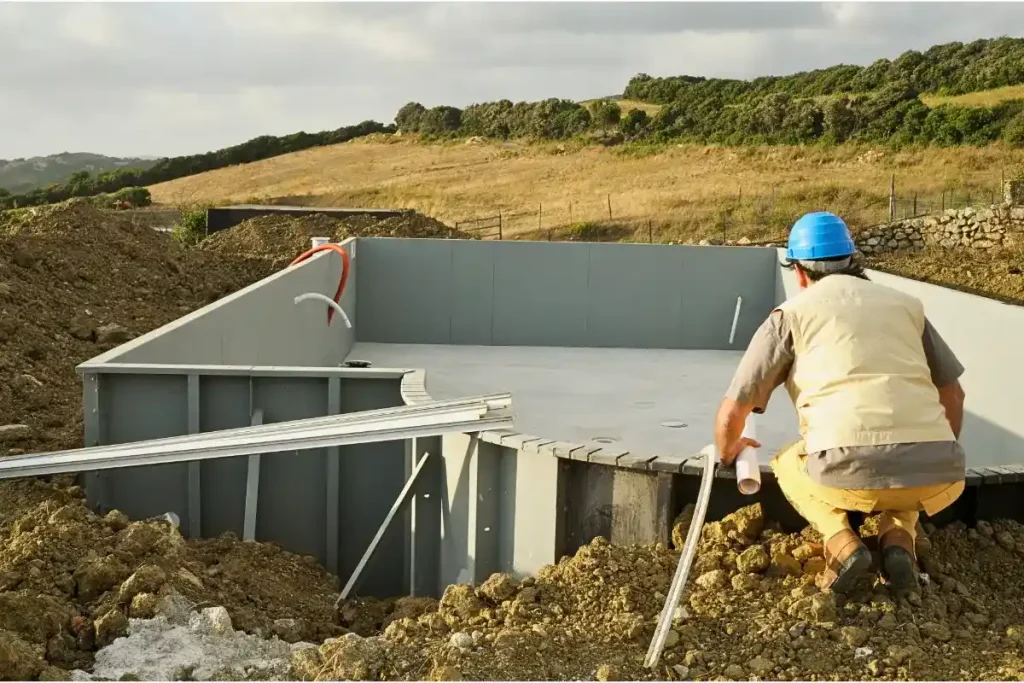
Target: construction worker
[878,398]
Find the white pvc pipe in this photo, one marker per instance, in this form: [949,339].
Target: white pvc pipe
[319,241]
[735,318]
[748,470]
[329,301]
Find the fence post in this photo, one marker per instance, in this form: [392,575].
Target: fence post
[915,204]
[499,224]
[609,207]
[540,213]
[570,212]
[650,232]
[892,198]
[943,201]
[969,198]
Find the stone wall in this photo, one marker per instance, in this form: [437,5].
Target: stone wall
[972,228]
[1013,193]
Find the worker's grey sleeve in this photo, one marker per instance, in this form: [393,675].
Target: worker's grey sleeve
[943,363]
[765,365]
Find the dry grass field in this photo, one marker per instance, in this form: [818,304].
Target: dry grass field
[683,191]
[985,98]
[627,105]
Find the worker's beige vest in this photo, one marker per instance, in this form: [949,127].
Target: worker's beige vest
[860,376]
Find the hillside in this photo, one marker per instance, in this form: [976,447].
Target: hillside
[83,184]
[886,102]
[21,175]
[685,191]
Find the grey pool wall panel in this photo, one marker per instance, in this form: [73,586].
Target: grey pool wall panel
[506,293]
[258,325]
[320,502]
[501,509]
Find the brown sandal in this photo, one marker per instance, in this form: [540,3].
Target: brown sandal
[846,559]
[899,564]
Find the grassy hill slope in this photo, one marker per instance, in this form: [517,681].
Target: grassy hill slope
[685,191]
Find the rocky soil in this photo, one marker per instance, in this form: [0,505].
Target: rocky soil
[751,612]
[996,273]
[76,281]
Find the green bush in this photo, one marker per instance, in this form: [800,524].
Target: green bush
[136,197]
[190,229]
[1013,132]
[605,113]
[634,124]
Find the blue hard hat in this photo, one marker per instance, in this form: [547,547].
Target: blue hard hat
[819,235]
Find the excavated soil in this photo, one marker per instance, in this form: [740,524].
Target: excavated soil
[751,611]
[281,238]
[76,281]
[994,273]
[70,579]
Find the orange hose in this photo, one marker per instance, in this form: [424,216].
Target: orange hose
[345,263]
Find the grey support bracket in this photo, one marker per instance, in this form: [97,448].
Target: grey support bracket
[195,497]
[252,485]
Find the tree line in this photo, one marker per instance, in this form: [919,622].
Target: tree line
[879,103]
[84,184]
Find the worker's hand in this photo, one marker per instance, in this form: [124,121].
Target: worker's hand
[732,450]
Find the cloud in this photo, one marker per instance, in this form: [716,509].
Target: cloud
[175,78]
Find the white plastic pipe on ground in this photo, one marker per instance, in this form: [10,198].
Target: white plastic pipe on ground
[319,241]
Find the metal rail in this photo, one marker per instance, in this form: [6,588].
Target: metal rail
[392,424]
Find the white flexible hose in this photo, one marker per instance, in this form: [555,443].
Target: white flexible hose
[329,301]
[685,560]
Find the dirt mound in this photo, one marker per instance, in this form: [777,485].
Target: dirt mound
[282,238]
[74,282]
[70,579]
[751,611]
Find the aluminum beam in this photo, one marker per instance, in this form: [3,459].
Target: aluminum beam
[430,419]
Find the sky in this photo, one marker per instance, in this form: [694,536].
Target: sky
[164,79]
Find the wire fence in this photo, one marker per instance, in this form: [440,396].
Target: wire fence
[757,219]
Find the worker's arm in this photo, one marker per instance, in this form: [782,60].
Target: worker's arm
[946,371]
[952,398]
[765,365]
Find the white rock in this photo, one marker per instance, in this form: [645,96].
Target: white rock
[211,620]
[14,432]
[461,640]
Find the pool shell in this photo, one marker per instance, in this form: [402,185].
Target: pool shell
[601,345]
